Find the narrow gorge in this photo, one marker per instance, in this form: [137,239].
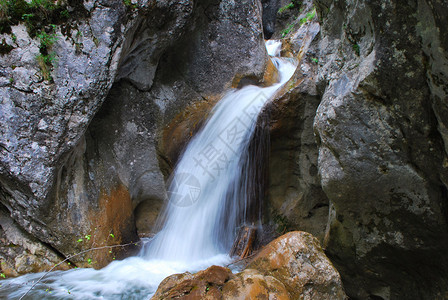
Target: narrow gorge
[140,138]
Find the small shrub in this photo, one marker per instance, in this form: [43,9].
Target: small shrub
[46,64]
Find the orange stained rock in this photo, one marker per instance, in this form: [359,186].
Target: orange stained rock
[113,216]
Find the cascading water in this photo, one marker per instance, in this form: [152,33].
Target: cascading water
[207,202]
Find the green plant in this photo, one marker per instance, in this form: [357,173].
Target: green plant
[356,48]
[2,275]
[287,30]
[315,60]
[47,40]
[129,4]
[45,64]
[286,7]
[282,223]
[45,5]
[3,9]
[308,17]
[36,14]
[46,59]
[65,14]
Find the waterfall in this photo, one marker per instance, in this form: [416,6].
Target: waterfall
[208,200]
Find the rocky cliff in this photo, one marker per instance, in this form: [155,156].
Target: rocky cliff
[379,72]
[84,102]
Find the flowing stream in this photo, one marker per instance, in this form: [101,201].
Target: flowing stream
[207,203]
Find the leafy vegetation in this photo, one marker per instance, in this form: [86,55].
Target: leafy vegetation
[291,5]
[129,4]
[286,7]
[36,14]
[40,18]
[308,17]
[287,30]
[47,58]
[356,48]
[282,223]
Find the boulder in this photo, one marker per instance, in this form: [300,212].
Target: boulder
[293,266]
[297,260]
[206,284]
[251,284]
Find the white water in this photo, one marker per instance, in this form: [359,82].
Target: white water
[273,47]
[206,205]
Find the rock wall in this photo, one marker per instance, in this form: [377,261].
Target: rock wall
[377,74]
[296,200]
[79,145]
[382,151]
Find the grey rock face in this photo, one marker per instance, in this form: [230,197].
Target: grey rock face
[22,253]
[296,199]
[70,169]
[40,121]
[382,145]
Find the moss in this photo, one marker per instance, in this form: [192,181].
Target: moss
[283,225]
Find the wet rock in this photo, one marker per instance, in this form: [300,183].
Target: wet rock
[180,130]
[296,200]
[297,260]
[43,123]
[293,266]
[206,284]
[251,284]
[21,253]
